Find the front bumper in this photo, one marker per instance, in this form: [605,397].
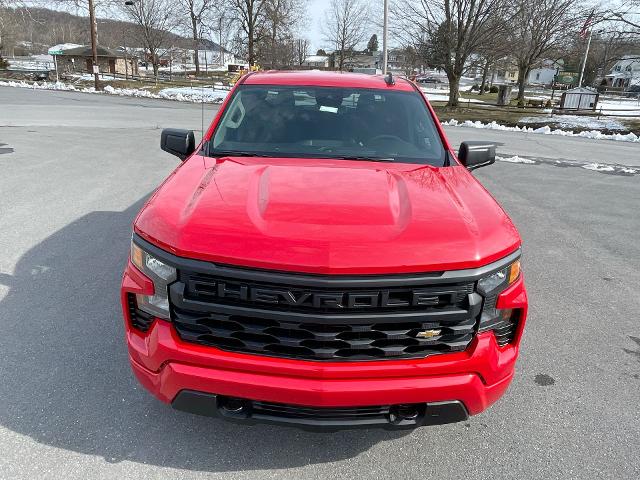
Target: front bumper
[167,366]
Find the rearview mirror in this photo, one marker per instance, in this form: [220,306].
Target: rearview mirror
[180,143]
[477,154]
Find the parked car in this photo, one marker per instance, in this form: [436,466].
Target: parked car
[323,258]
[429,80]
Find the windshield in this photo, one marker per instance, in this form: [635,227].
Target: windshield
[347,123]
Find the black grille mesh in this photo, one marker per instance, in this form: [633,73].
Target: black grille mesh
[446,323]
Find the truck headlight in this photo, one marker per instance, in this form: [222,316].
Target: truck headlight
[502,322]
[161,274]
[499,280]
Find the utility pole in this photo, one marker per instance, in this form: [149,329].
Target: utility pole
[126,60]
[94,43]
[385,52]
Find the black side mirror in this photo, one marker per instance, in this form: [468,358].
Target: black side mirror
[180,143]
[477,154]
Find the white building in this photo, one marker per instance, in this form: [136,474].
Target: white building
[316,61]
[545,73]
[625,73]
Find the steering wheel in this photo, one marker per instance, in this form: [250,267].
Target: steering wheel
[378,138]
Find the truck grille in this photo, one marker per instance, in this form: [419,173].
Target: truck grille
[324,318]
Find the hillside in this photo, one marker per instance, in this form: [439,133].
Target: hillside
[32,31]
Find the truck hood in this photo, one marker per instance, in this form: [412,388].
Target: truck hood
[327,216]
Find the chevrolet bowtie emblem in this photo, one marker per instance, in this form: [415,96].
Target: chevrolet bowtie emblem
[428,333]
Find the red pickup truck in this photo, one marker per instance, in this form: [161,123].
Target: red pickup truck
[323,258]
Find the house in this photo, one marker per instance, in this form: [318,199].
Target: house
[79,59]
[363,60]
[625,73]
[316,61]
[211,56]
[502,71]
[545,73]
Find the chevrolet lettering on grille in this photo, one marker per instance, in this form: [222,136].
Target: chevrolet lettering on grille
[317,299]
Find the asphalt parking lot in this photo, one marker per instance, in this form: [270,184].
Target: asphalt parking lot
[76,168]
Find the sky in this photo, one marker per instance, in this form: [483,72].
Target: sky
[313,31]
[315,15]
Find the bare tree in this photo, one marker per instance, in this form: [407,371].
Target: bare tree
[220,24]
[625,14]
[250,15]
[281,20]
[155,18]
[345,26]
[195,12]
[447,32]
[538,28]
[301,50]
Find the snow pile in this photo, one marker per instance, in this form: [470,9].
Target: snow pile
[41,86]
[515,159]
[546,130]
[181,94]
[577,121]
[188,94]
[598,167]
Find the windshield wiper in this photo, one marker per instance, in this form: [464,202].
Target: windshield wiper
[236,153]
[367,159]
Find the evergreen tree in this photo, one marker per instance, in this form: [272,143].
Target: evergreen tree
[372,46]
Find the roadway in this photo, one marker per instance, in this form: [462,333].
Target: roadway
[74,170]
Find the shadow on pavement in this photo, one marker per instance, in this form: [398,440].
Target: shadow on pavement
[65,378]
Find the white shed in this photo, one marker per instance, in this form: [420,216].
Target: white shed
[581,98]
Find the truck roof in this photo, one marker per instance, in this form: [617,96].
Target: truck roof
[318,78]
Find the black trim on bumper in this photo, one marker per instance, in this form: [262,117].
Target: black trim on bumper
[322,418]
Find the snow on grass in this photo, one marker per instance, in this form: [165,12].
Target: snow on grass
[442,95]
[546,130]
[577,121]
[104,78]
[514,159]
[619,107]
[181,94]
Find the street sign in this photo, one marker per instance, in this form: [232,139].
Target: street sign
[567,78]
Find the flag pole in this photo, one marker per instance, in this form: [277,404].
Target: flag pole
[385,51]
[584,60]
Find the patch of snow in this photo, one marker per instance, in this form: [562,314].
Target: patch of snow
[577,121]
[32,64]
[180,94]
[546,130]
[442,95]
[195,94]
[599,167]
[619,107]
[106,78]
[514,159]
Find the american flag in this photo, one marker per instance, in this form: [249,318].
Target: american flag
[587,23]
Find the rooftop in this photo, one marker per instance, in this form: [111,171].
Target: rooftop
[85,51]
[325,79]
